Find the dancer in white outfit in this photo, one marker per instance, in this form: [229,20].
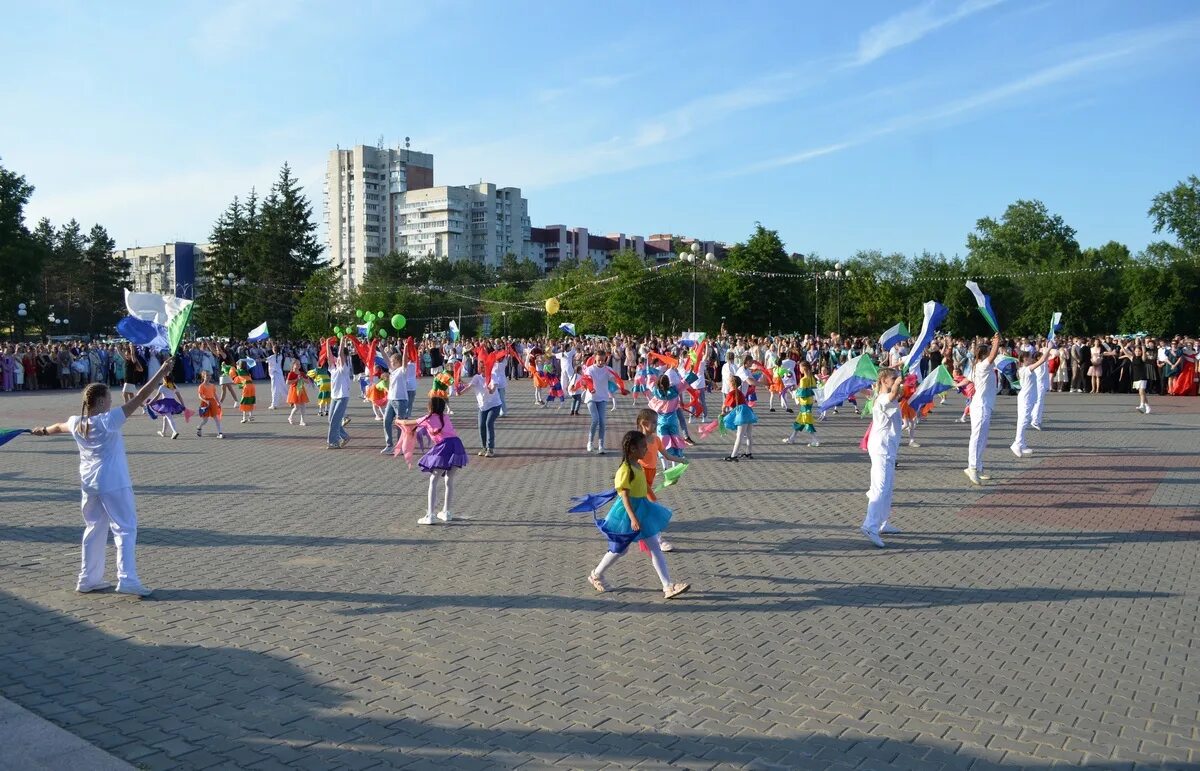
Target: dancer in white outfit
[983,375]
[107,490]
[1041,376]
[279,386]
[1027,398]
[882,445]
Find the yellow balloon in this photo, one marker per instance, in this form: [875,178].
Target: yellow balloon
[552,306]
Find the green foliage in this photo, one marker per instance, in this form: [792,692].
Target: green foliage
[21,255]
[1178,212]
[319,304]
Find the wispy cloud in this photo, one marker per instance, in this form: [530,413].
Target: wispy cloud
[240,24]
[1102,53]
[912,25]
[582,86]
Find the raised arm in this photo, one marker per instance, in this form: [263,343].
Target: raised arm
[991,359]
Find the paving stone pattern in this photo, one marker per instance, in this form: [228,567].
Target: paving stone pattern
[303,619]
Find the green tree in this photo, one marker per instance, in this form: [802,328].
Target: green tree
[21,255]
[754,304]
[103,281]
[1178,212]
[320,304]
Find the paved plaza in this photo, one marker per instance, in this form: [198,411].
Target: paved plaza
[303,619]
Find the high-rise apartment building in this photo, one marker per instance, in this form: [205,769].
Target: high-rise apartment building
[471,222]
[361,188]
[165,269]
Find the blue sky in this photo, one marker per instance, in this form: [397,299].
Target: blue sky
[845,126]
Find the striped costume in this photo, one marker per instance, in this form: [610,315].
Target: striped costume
[806,389]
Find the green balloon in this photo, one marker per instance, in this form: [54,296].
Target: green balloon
[379,315]
[383,333]
[337,331]
[358,313]
[398,322]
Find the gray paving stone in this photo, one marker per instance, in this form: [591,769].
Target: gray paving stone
[303,619]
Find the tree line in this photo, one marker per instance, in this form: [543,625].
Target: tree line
[60,272]
[1032,260]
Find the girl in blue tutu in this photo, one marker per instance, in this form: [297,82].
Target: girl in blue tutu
[445,457]
[739,417]
[634,517]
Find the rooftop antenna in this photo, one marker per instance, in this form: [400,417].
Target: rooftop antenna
[380,145]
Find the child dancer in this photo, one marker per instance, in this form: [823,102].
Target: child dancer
[210,405]
[804,394]
[738,416]
[664,401]
[1027,399]
[228,375]
[320,376]
[634,512]
[379,393]
[246,403]
[647,423]
[575,386]
[641,379]
[445,457]
[984,378]
[108,502]
[297,394]
[168,393]
[967,389]
[883,444]
[554,389]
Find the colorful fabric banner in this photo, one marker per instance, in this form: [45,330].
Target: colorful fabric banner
[169,312]
[939,380]
[850,378]
[9,434]
[935,314]
[259,333]
[453,332]
[985,305]
[1055,326]
[568,328]
[893,336]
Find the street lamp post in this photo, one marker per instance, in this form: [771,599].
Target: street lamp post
[230,282]
[21,314]
[838,275]
[693,256]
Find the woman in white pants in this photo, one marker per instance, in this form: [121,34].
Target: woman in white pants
[107,490]
[983,375]
[882,444]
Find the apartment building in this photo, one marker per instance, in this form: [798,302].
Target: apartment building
[480,222]
[165,269]
[362,185]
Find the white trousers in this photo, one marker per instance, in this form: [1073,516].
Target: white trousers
[981,420]
[113,510]
[279,390]
[879,494]
[1039,404]
[1025,412]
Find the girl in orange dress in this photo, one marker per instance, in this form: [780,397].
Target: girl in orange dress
[297,392]
[210,406]
[246,404]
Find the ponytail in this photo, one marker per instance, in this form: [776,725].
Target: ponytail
[91,396]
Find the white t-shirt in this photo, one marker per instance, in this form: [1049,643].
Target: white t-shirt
[411,379]
[1027,377]
[984,378]
[747,378]
[884,440]
[499,378]
[728,370]
[600,379]
[102,464]
[274,368]
[484,398]
[340,378]
[397,385]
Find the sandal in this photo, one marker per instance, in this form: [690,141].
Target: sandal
[599,584]
[674,590]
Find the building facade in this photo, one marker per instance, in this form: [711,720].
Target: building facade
[166,269]
[361,188]
[480,222]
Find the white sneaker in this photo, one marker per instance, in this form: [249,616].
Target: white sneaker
[96,587]
[160,433]
[789,440]
[386,451]
[665,545]
[984,478]
[1015,450]
[425,520]
[890,529]
[445,516]
[970,472]
[589,447]
[1147,410]
[136,590]
[913,443]
[1035,426]
[220,435]
[303,423]
[963,419]
[814,443]
[873,537]
[600,450]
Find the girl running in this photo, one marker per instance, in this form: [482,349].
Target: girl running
[297,394]
[210,405]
